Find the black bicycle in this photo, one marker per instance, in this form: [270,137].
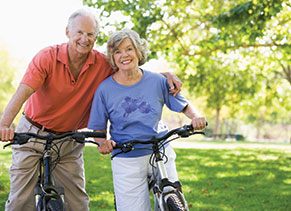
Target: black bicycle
[168,196]
[48,196]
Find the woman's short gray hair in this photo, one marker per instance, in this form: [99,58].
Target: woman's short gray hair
[141,45]
[84,12]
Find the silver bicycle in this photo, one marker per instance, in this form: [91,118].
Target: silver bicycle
[168,196]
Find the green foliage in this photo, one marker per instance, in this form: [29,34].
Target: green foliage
[247,19]
[225,50]
[7,74]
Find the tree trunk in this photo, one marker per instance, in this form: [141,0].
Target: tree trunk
[259,126]
[216,127]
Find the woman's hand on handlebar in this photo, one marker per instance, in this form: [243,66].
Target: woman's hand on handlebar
[105,146]
[199,123]
[6,134]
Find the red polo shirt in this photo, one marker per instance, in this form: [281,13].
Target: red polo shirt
[60,103]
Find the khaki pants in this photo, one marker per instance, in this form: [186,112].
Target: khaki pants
[69,173]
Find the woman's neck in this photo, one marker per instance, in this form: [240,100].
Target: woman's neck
[128,78]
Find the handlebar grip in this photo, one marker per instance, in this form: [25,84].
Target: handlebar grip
[21,138]
[118,146]
[190,127]
[95,134]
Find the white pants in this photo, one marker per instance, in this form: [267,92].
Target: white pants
[130,180]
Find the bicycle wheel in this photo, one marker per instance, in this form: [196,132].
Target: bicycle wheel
[54,205]
[174,203]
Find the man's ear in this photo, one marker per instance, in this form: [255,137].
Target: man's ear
[67,32]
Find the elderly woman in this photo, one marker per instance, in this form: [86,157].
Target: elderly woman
[132,100]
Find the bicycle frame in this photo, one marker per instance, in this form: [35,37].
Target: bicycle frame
[161,186]
[45,189]
[47,195]
[167,194]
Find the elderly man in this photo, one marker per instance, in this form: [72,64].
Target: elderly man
[58,88]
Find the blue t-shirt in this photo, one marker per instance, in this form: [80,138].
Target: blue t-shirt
[134,111]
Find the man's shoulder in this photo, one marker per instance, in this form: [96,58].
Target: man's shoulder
[53,49]
[98,54]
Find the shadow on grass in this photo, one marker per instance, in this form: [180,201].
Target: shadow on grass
[213,179]
[5,158]
[235,179]
[99,184]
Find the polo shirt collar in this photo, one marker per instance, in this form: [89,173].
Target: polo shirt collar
[63,55]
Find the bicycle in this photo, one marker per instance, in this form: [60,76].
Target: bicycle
[48,196]
[168,196]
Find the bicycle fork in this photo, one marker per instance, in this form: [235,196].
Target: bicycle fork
[163,188]
[45,189]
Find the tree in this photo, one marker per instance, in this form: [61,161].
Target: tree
[200,37]
[7,73]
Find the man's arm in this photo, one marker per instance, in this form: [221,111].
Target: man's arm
[198,121]
[174,82]
[22,93]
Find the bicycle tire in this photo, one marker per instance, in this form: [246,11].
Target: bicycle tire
[174,203]
[54,205]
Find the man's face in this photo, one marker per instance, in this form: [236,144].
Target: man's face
[82,34]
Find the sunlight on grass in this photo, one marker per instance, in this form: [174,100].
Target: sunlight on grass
[287,181]
[233,174]
[187,176]
[267,157]
[212,179]
[285,168]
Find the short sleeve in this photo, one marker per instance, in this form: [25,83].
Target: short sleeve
[98,115]
[37,70]
[174,103]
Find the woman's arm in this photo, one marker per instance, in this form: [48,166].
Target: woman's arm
[105,146]
[198,121]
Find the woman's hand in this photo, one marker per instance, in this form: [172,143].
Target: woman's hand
[105,146]
[199,123]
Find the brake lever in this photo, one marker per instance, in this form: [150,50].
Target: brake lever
[18,138]
[6,145]
[113,156]
[80,138]
[185,131]
[93,142]
[124,148]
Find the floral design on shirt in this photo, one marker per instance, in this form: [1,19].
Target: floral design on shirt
[130,105]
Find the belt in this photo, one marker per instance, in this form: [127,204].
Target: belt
[39,126]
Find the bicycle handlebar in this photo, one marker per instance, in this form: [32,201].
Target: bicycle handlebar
[22,138]
[185,131]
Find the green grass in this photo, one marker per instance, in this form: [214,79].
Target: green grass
[213,179]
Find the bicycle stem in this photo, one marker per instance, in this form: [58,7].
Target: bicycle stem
[47,160]
[160,162]
[162,169]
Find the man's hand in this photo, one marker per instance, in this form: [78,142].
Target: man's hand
[174,82]
[106,146]
[6,133]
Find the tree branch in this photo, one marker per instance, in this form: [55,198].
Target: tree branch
[235,47]
[287,71]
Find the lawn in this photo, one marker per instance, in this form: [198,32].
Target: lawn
[213,179]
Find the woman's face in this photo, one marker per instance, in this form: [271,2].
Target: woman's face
[125,57]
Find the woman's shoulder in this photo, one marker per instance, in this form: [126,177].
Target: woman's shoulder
[106,83]
[153,75]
